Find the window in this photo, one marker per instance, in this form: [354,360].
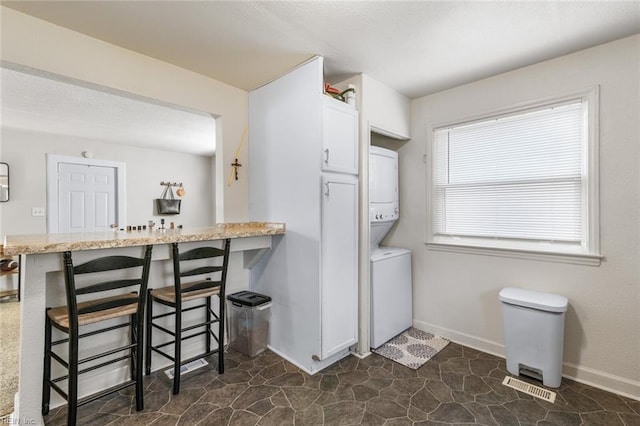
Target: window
[523,181]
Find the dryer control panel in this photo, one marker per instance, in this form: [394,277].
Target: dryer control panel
[384,212]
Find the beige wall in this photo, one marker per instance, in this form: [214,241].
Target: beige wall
[145,168]
[456,294]
[386,109]
[34,43]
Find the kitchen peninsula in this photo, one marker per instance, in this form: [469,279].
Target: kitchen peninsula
[43,285]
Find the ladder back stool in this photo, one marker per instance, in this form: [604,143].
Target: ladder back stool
[209,267]
[83,284]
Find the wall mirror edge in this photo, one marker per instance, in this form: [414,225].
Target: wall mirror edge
[4,182]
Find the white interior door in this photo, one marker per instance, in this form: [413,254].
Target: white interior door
[86,197]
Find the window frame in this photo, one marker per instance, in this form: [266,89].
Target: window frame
[589,251]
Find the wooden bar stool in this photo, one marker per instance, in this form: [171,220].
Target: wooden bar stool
[76,314]
[204,287]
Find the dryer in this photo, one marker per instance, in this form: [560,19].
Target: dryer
[383,185]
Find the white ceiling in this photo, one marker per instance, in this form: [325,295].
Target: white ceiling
[416,47]
[39,103]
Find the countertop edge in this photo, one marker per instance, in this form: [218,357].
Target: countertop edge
[56,243]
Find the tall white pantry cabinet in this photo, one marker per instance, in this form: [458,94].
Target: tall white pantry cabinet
[303,166]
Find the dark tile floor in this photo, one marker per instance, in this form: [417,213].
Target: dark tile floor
[458,386]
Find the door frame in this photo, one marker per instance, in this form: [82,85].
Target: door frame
[52,186]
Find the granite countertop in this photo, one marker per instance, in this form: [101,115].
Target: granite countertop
[55,243]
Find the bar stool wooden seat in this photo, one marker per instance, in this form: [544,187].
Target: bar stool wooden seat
[98,277]
[209,266]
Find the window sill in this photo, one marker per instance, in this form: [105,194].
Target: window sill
[561,257]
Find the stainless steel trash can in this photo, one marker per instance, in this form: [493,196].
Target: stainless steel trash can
[534,333]
[249,314]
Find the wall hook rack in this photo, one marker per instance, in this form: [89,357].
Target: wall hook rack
[170,184]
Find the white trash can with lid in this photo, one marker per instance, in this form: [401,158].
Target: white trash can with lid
[534,333]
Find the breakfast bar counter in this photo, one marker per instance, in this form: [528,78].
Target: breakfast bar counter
[43,284]
[56,243]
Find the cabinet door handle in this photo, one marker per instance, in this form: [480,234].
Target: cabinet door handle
[326,159]
[326,184]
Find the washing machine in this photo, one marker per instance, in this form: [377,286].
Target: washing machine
[391,293]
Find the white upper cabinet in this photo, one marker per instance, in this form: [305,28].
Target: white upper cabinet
[339,137]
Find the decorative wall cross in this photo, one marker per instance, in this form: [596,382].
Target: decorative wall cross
[236,163]
[235,166]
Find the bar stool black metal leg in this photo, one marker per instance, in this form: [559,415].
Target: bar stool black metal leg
[208,317]
[221,336]
[139,348]
[177,354]
[147,348]
[72,399]
[133,318]
[46,389]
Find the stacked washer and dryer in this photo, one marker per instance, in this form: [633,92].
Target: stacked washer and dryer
[390,275]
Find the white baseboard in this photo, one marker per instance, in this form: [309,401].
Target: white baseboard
[463,339]
[605,381]
[281,355]
[360,356]
[318,365]
[596,378]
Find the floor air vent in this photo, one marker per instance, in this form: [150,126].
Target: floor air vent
[529,389]
[187,368]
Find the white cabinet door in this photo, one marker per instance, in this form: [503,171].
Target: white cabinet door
[339,281]
[339,137]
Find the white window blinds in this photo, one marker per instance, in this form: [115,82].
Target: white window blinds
[518,177]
